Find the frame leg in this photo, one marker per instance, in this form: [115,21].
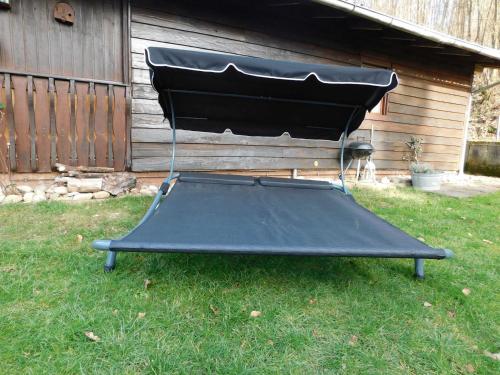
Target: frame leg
[110,261]
[419,268]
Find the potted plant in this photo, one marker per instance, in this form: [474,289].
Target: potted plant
[423,177]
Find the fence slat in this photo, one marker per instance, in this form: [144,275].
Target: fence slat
[4,167]
[53,130]
[119,129]
[9,112]
[92,124]
[22,125]
[31,114]
[72,123]
[110,125]
[82,123]
[101,125]
[42,123]
[128,124]
[63,118]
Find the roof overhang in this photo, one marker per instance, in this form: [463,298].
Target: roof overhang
[446,44]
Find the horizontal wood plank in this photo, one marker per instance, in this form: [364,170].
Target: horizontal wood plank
[214,43]
[141,120]
[424,112]
[424,93]
[146,106]
[442,87]
[144,91]
[415,129]
[391,151]
[230,163]
[169,21]
[426,103]
[400,118]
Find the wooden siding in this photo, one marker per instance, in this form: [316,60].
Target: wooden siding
[31,41]
[54,120]
[429,103]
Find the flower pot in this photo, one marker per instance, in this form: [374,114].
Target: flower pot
[426,181]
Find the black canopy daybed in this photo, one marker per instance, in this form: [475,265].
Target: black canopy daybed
[209,213]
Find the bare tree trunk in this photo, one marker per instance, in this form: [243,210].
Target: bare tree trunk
[469,17]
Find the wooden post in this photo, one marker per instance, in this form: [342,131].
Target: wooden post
[52,115]
[111,108]
[32,130]
[72,130]
[10,122]
[92,124]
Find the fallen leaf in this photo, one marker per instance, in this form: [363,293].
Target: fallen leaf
[79,238]
[469,234]
[8,269]
[141,315]
[488,242]
[466,291]
[115,312]
[147,283]
[449,208]
[462,217]
[255,314]
[469,368]
[214,309]
[353,340]
[427,304]
[315,333]
[270,342]
[452,314]
[90,335]
[421,239]
[494,356]
[312,301]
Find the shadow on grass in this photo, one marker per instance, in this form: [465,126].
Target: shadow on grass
[255,268]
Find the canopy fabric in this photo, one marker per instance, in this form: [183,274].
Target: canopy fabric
[241,215]
[260,97]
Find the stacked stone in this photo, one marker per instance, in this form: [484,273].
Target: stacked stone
[79,184]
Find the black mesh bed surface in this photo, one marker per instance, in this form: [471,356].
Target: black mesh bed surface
[245,215]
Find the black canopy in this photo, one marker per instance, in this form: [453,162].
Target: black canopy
[213,92]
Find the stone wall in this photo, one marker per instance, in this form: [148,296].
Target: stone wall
[483,158]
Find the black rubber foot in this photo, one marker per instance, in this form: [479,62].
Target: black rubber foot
[108,269]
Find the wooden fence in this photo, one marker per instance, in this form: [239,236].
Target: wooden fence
[51,120]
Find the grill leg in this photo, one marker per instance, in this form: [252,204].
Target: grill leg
[419,269]
[110,261]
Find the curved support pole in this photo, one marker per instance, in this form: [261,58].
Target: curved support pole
[419,268]
[342,149]
[110,261]
[448,253]
[101,244]
[105,244]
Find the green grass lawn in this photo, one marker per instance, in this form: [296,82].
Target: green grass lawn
[197,307]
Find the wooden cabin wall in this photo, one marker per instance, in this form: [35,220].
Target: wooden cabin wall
[64,87]
[32,41]
[430,103]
